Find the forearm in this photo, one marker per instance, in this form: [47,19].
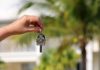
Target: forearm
[4,33]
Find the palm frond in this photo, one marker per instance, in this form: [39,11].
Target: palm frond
[26,6]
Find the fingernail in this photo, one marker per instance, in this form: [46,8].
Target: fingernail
[40,30]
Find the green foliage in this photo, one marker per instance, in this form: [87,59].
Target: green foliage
[2,65]
[57,59]
[24,39]
[78,17]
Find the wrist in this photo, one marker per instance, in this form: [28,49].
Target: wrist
[5,32]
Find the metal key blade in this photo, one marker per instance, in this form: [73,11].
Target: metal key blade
[40,48]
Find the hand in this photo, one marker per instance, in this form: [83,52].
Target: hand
[24,24]
[20,26]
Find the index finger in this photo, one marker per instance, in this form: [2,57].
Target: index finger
[36,21]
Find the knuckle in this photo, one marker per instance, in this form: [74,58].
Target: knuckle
[36,18]
[31,18]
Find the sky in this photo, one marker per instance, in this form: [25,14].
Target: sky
[9,9]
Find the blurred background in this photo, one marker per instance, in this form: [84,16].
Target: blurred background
[72,35]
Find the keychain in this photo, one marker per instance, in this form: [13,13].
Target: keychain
[40,40]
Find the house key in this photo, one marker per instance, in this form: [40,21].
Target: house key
[40,40]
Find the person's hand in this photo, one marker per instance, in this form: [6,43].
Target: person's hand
[24,24]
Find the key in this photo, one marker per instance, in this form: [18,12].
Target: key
[40,40]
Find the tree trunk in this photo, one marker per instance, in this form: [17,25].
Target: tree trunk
[83,52]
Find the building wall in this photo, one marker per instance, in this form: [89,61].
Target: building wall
[96,61]
[13,66]
[20,66]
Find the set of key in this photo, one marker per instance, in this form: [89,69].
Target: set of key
[40,40]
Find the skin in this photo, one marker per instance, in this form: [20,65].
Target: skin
[23,25]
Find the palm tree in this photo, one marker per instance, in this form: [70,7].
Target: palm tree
[73,17]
